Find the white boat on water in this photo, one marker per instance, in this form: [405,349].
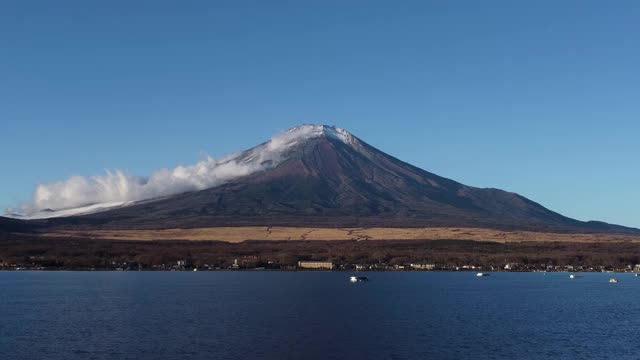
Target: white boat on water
[613,280]
[358,278]
[482,274]
[572,276]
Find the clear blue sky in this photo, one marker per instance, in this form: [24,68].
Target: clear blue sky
[537,97]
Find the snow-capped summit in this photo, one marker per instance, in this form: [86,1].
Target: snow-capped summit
[304,132]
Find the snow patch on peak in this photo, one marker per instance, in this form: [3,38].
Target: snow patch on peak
[304,132]
[340,134]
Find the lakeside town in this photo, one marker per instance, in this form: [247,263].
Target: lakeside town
[252,263]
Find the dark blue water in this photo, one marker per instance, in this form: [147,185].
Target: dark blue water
[289,315]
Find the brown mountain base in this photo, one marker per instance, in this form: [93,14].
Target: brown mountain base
[239,234]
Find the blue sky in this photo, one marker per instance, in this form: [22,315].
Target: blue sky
[539,98]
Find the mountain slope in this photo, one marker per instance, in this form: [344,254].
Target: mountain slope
[330,178]
[14,225]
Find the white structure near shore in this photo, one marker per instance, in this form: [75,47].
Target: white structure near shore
[327,265]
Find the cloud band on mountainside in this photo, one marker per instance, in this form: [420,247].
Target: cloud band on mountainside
[120,187]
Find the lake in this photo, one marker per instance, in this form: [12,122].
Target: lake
[317,315]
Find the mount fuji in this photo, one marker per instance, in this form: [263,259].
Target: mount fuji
[310,175]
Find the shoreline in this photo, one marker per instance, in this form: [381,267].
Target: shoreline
[38,253]
[323,271]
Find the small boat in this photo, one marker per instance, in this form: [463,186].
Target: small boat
[613,280]
[358,278]
[482,274]
[637,275]
[572,276]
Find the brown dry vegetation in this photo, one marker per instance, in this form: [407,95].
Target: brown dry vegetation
[239,234]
